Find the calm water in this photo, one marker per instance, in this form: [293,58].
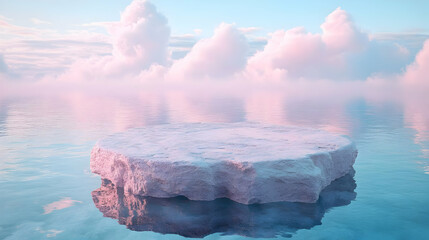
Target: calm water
[48,191]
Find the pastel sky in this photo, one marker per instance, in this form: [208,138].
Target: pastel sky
[61,40]
[375,16]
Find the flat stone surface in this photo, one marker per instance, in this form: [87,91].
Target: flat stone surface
[245,162]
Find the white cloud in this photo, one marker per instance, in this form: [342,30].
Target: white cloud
[39,21]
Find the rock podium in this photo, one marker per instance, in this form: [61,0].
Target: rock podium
[245,162]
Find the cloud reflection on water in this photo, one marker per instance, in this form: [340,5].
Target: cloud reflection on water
[58,205]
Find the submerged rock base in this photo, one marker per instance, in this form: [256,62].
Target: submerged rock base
[198,219]
[245,162]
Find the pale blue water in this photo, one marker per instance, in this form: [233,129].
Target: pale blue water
[48,192]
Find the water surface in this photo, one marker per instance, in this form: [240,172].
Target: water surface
[48,191]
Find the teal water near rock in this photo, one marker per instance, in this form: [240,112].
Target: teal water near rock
[47,190]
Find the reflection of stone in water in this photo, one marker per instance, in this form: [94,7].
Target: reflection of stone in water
[201,218]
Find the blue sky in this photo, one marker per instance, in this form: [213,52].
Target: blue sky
[185,16]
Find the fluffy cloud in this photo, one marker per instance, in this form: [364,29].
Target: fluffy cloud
[293,52]
[139,47]
[417,73]
[340,33]
[337,53]
[140,41]
[141,36]
[220,56]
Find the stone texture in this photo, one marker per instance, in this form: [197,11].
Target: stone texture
[245,162]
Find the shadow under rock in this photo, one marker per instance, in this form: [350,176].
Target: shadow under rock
[198,219]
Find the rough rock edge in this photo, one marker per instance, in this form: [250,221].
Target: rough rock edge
[242,182]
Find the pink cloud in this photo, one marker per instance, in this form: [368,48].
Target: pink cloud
[140,41]
[300,54]
[341,52]
[141,35]
[219,56]
[340,33]
[58,205]
[417,73]
[140,52]
[288,51]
